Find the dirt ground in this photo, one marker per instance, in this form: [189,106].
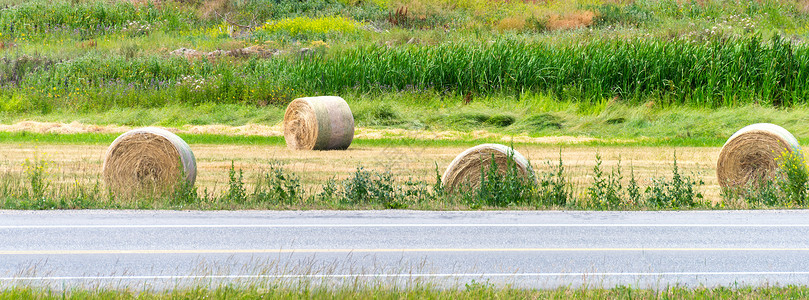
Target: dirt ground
[68,163]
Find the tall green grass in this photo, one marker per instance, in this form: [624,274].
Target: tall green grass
[713,74]
[718,73]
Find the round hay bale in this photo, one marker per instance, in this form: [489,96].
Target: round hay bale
[148,159]
[464,171]
[318,123]
[750,153]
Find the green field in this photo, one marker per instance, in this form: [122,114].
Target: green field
[94,57]
[665,70]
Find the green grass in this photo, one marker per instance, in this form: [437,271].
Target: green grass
[93,57]
[107,138]
[471,291]
[720,73]
[533,115]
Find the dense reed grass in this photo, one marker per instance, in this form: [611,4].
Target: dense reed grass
[103,55]
[717,73]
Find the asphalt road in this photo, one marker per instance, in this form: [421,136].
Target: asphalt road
[166,249]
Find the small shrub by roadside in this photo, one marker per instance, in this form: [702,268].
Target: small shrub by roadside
[678,192]
[788,187]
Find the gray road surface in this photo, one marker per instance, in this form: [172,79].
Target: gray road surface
[165,249]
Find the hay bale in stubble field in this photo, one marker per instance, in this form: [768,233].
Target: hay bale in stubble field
[148,159]
[318,123]
[465,170]
[750,154]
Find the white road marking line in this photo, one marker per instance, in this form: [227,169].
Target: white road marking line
[405,275]
[102,226]
[383,250]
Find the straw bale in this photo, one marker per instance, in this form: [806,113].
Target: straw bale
[148,160]
[464,172]
[318,123]
[750,154]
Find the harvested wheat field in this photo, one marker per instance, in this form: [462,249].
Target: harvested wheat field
[68,163]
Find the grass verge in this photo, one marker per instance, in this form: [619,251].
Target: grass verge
[471,291]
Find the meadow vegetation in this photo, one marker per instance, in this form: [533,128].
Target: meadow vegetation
[94,57]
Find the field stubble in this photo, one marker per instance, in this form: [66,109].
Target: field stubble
[67,163]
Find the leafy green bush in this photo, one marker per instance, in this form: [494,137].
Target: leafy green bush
[278,186]
[792,177]
[509,188]
[677,192]
[236,192]
[553,188]
[365,186]
[607,190]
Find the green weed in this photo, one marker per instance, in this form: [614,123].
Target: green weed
[553,188]
[36,173]
[184,193]
[633,190]
[677,192]
[792,177]
[607,190]
[278,186]
[502,189]
[369,187]
[236,191]
[787,187]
